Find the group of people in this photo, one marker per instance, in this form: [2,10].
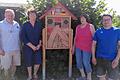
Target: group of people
[11,35]
[100,46]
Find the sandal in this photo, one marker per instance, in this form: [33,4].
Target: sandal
[81,78]
[29,78]
[35,77]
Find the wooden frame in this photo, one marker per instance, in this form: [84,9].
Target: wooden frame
[46,26]
[44,47]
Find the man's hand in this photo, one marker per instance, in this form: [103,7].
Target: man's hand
[94,61]
[115,63]
[2,52]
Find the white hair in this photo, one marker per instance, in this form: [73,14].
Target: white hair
[10,10]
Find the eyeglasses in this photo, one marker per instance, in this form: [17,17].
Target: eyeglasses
[104,20]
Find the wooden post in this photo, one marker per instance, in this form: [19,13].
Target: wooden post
[44,56]
[44,60]
[70,54]
[44,63]
[70,63]
[45,46]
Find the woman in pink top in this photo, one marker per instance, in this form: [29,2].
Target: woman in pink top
[82,45]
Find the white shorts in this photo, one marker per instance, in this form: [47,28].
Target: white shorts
[0,62]
[9,59]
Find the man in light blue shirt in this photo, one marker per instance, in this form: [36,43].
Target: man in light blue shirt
[10,43]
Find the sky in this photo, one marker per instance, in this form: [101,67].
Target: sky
[111,3]
[115,4]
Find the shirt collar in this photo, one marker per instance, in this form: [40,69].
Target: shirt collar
[5,21]
[108,29]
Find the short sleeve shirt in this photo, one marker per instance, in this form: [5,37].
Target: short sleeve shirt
[107,40]
[9,34]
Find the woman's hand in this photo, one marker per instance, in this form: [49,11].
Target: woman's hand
[73,50]
[38,46]
[94,61]
[34,48]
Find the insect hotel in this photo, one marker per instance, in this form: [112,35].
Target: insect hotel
[57,33]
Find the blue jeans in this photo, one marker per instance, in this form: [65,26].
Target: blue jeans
[83,59]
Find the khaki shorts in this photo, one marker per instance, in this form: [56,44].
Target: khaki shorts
[12,58]
[0,62]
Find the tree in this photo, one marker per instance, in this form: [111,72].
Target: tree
[77,7]
[116,21]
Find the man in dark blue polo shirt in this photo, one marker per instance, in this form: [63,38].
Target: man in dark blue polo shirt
[105,49]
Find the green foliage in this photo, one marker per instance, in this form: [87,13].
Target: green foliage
[116,21]
[77,7]
[90,7]
[22,15]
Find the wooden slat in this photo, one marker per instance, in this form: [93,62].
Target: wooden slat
[70,32]
[44,55]
[70,55]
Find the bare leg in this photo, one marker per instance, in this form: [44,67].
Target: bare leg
[82,73]
[29,72]
[6,74]
[13,70]
[89,76]
[102,77]
[36,67]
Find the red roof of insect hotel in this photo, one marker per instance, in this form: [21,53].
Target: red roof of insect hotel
[60,9]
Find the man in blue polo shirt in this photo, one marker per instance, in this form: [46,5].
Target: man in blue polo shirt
[105,49]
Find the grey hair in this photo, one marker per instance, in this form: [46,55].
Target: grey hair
[10,10]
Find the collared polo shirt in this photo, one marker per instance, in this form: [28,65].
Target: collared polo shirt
[9,36]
